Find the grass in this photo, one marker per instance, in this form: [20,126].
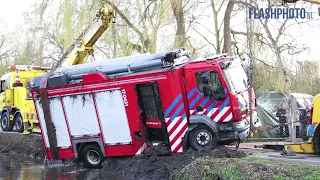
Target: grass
[244,168]
[226,172]
[256,160]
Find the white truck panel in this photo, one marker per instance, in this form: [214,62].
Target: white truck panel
[113,117]
[81,115]
[42,124]
[59,122]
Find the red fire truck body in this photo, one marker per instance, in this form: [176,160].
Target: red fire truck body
[174,107]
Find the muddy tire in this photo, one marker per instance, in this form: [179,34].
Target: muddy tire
[203,139]
[19,123]
[5,122]
[92,156]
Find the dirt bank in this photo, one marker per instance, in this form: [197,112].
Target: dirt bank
[136,167]
[15,143]
[160,167]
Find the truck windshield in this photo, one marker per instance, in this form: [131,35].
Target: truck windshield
[236,78]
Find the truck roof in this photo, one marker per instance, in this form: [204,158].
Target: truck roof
[6,76]
[134,65]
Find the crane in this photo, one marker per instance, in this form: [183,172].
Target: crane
[294,1]
[83,45]
[75,54]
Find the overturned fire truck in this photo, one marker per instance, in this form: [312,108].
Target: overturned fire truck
[121,107]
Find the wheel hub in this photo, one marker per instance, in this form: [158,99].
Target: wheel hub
[19,123]
[93,157]
[4,122]
[203,138]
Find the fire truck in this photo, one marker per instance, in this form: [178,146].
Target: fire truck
[122,107]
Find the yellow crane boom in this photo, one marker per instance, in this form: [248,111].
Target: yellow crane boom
[83,45]
[313,1]
[310,1]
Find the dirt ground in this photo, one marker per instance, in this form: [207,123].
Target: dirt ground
[27,145]
[222,163]
[136,167]
[161,167]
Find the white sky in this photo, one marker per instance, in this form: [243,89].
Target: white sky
[11,12]
[11,15]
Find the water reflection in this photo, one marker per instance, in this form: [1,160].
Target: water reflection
[13,168]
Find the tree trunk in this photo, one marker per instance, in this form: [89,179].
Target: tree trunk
[180,39]
[216,27]
[227,45]
[114,39]
[284,74]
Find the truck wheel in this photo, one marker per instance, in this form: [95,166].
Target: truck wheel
[6,124]
[203,139]
[19,122]
[92,156]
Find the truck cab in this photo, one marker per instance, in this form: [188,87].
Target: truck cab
[218,96]
[4,85]
[16,105]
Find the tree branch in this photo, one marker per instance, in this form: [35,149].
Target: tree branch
[244,33]
[126,20]
[205,38]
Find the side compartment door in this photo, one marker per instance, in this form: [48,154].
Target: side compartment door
[207,95]
[113,117]
[151,112]
[8,97]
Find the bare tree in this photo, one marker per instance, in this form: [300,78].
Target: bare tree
[178,12]
[227,45]
[215,10]
[306,78]
[151,16]
[272,41]
[6,51]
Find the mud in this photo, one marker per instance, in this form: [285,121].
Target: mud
[18,144]
[143,167]
[161,167]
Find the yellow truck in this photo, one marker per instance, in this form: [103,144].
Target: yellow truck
[313,144]
[17,108]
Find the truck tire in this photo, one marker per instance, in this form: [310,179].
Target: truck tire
[6,124]
[202,138]
[92,156]
[19,122]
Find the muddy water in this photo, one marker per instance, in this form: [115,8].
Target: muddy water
[18,168]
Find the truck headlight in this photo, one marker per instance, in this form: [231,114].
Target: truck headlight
[244,109]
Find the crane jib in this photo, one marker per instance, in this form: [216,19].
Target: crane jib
[106,16]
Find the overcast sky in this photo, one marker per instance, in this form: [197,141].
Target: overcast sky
[11,11]
[11,15]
